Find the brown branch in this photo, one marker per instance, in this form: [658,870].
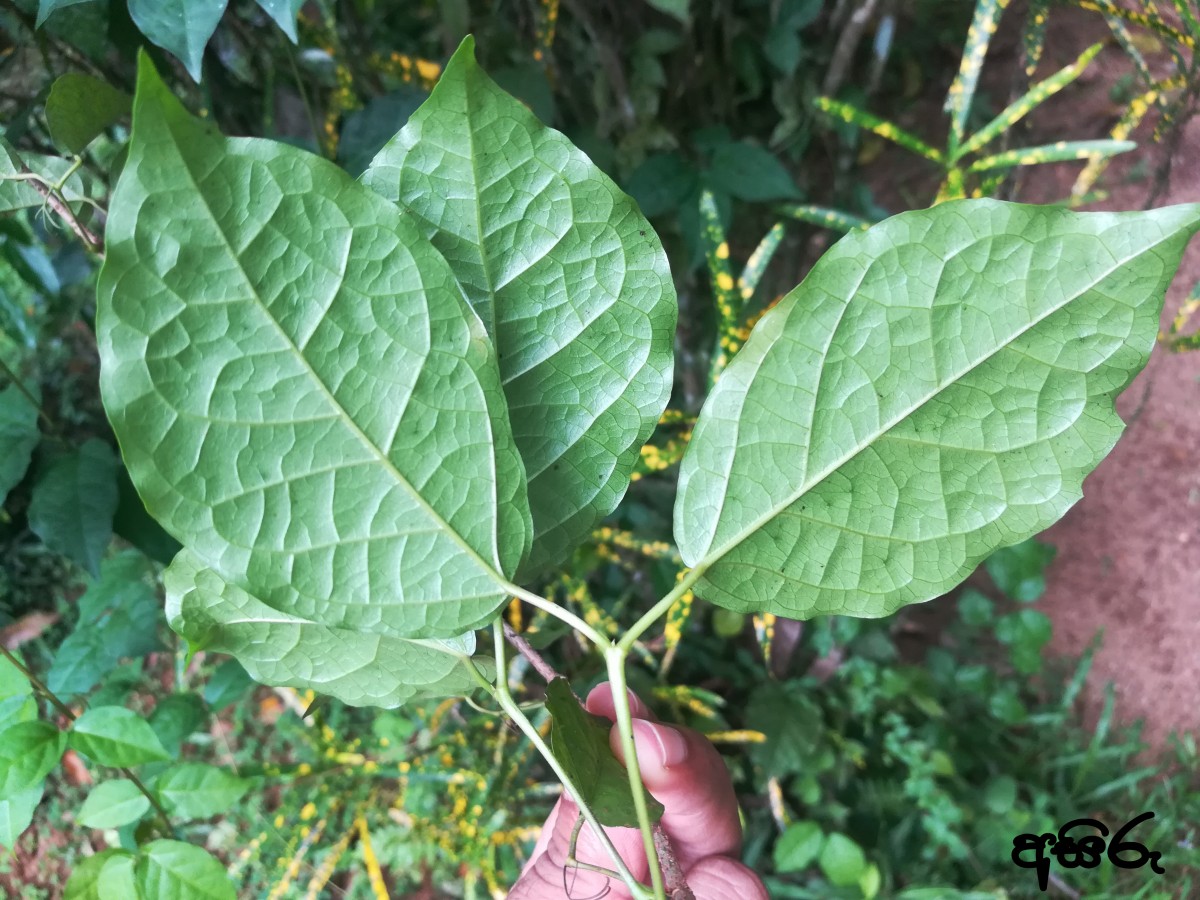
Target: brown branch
[676,883]
[90,239]
[536,660]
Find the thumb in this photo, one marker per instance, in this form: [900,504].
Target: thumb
[719,878]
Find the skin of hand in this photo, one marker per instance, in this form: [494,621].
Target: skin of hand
[685,773]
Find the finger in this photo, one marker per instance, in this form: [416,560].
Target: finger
[686,774]
[719,878]
[547,876]
[600,702]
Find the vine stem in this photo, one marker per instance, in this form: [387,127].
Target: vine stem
[503,696]
[602,643]
[70,716]
[614,657]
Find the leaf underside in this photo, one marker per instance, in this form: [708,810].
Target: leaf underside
[358,668]
[937,387]
[302,396]
[569,278]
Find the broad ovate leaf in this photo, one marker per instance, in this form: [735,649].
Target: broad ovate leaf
[937,387]
[302,396]
[569,279]
[359,668]
[174,870]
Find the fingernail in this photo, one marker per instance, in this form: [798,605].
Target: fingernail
[668,746]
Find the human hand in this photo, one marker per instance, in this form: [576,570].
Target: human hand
[684,772]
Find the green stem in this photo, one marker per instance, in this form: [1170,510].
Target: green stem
[20,385]
[504,697]
[615,658]
[659,609]
[602,643]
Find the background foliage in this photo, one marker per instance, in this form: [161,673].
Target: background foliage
[883,758]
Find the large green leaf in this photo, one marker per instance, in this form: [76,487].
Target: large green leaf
[197,791]
[18,436]
[937,387]
[181,27]
[116,736]
[84,883]
[173,870]
[302,396]
[357,667]
[112,804]
[569,278]
[73,504]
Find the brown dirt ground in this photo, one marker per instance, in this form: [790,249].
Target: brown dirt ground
[1129,552]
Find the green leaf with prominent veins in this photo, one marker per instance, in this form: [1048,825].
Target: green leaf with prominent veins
[937,387]
[358,668]
[302,395]
[568,276]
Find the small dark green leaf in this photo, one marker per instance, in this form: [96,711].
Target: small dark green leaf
[116,736]
[1020,570]
[173,870]
[975,609]
[181,27]
[1001,794]
[228,684]
[791,723]
[80,107]
[798,846]
[368,129]
[580,744]
[176,718]
[28,751]
[1026,632]
[749,172]
[137,526]
[284,12]
[198,791]
[112,804]
[119,616]
[73,504]
[842,860]
[46,7]
[678,9]
[18,436]
[661,183]
[16,813]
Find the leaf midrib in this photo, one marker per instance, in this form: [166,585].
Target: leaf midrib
[343,414]
[713,556]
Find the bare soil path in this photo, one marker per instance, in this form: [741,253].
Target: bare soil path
[1129,552]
